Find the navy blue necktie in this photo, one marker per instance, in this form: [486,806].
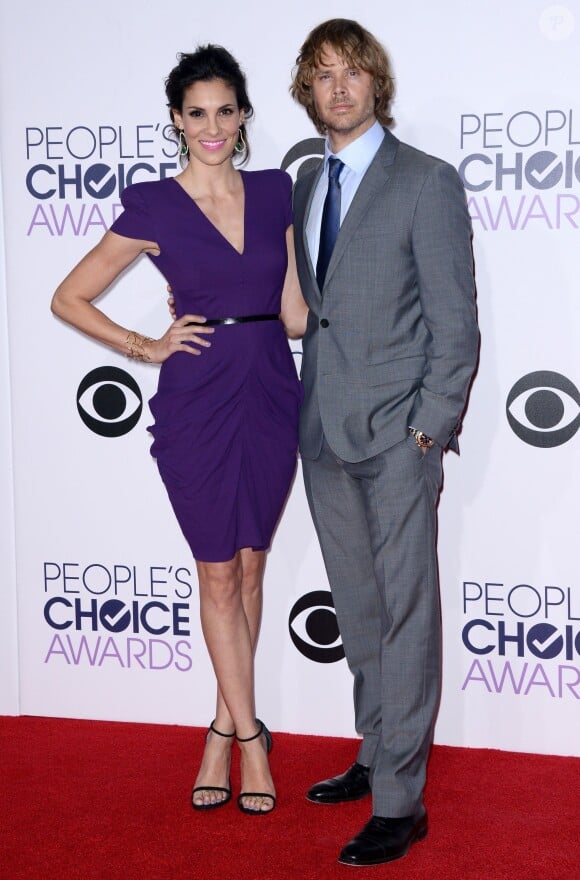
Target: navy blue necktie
[330,220]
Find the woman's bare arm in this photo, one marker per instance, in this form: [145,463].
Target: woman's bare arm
[73,302]
[294,310]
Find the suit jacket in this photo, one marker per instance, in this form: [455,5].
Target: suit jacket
[392,338]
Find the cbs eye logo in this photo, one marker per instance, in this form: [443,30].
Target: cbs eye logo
[314,628]
[109,401]
[543,409]
[303,157]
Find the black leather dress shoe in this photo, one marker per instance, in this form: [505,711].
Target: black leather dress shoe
[351,785]
[384,840]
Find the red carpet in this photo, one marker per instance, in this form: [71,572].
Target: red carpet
[101,801]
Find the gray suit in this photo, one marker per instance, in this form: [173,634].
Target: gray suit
[391,342]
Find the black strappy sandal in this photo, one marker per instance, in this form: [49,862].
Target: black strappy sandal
[262,731]
[228,791]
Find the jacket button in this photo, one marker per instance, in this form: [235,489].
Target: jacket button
[324,322]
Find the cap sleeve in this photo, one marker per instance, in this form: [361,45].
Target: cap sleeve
[136,220]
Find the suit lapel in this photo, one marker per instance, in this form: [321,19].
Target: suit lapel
[309,187]
[371,186]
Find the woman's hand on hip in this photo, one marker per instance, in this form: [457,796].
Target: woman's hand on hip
[181,337]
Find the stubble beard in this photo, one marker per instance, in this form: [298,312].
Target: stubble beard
[347,124]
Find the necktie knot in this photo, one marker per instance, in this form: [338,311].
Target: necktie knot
[335,166]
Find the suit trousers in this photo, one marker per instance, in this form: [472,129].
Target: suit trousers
[376,521]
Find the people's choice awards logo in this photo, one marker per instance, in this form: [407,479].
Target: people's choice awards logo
[314,628]
[75,176]
[543,409]
[522,639]
[521,167]
[109,401]
[119,615]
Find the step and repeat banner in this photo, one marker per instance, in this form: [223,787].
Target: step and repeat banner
[99,614]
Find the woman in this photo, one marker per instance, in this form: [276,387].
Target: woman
[226,407]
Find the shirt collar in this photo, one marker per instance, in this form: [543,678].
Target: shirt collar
[358,154]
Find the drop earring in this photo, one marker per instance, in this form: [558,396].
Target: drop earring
[241,145]
[183,146]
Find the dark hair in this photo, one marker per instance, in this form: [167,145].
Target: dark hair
[205,64]
[357,47]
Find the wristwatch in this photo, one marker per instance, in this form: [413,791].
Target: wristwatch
[421,439]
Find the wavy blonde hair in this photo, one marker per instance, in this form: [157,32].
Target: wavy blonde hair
[358,48]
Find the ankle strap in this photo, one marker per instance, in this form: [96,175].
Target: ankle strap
[219,733]
[248,739]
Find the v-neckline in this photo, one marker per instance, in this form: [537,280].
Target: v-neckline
[210,223]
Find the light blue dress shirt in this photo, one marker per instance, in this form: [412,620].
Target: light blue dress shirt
[357,157]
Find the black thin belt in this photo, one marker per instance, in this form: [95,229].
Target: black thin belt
[244,319]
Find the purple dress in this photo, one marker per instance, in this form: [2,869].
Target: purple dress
[226,422]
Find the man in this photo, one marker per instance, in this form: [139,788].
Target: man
[383,246]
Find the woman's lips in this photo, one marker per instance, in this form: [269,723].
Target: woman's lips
[212,145]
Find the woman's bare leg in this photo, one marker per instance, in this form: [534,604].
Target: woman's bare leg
[256,774]
[231,605]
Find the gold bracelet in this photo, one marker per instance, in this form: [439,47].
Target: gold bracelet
[135,343]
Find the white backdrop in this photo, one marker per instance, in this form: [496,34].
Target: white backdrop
[99,607]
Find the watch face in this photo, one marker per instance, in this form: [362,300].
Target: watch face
[421,439]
